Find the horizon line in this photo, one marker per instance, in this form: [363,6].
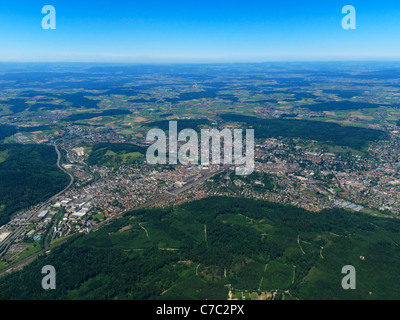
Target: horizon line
[203,62]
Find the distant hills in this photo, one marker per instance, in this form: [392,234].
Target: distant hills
[327,132]
[341,105]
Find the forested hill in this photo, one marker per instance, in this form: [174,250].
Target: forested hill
[28,175]
[6,131]
[327,132]
[217,248]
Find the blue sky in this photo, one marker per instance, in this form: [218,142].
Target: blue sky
[198,31]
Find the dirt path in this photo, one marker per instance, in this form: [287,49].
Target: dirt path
[140,224]
[205,234]
[262,278]
[298,242]
[294,272]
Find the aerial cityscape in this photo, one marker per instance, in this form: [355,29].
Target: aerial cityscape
[312,188]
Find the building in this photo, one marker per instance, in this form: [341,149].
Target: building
[43,213]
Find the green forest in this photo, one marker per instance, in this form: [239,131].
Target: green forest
[219,246]
[6,131]
[332,133]
[341,105]
[28,175]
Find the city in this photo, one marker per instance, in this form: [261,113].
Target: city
[301,176]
